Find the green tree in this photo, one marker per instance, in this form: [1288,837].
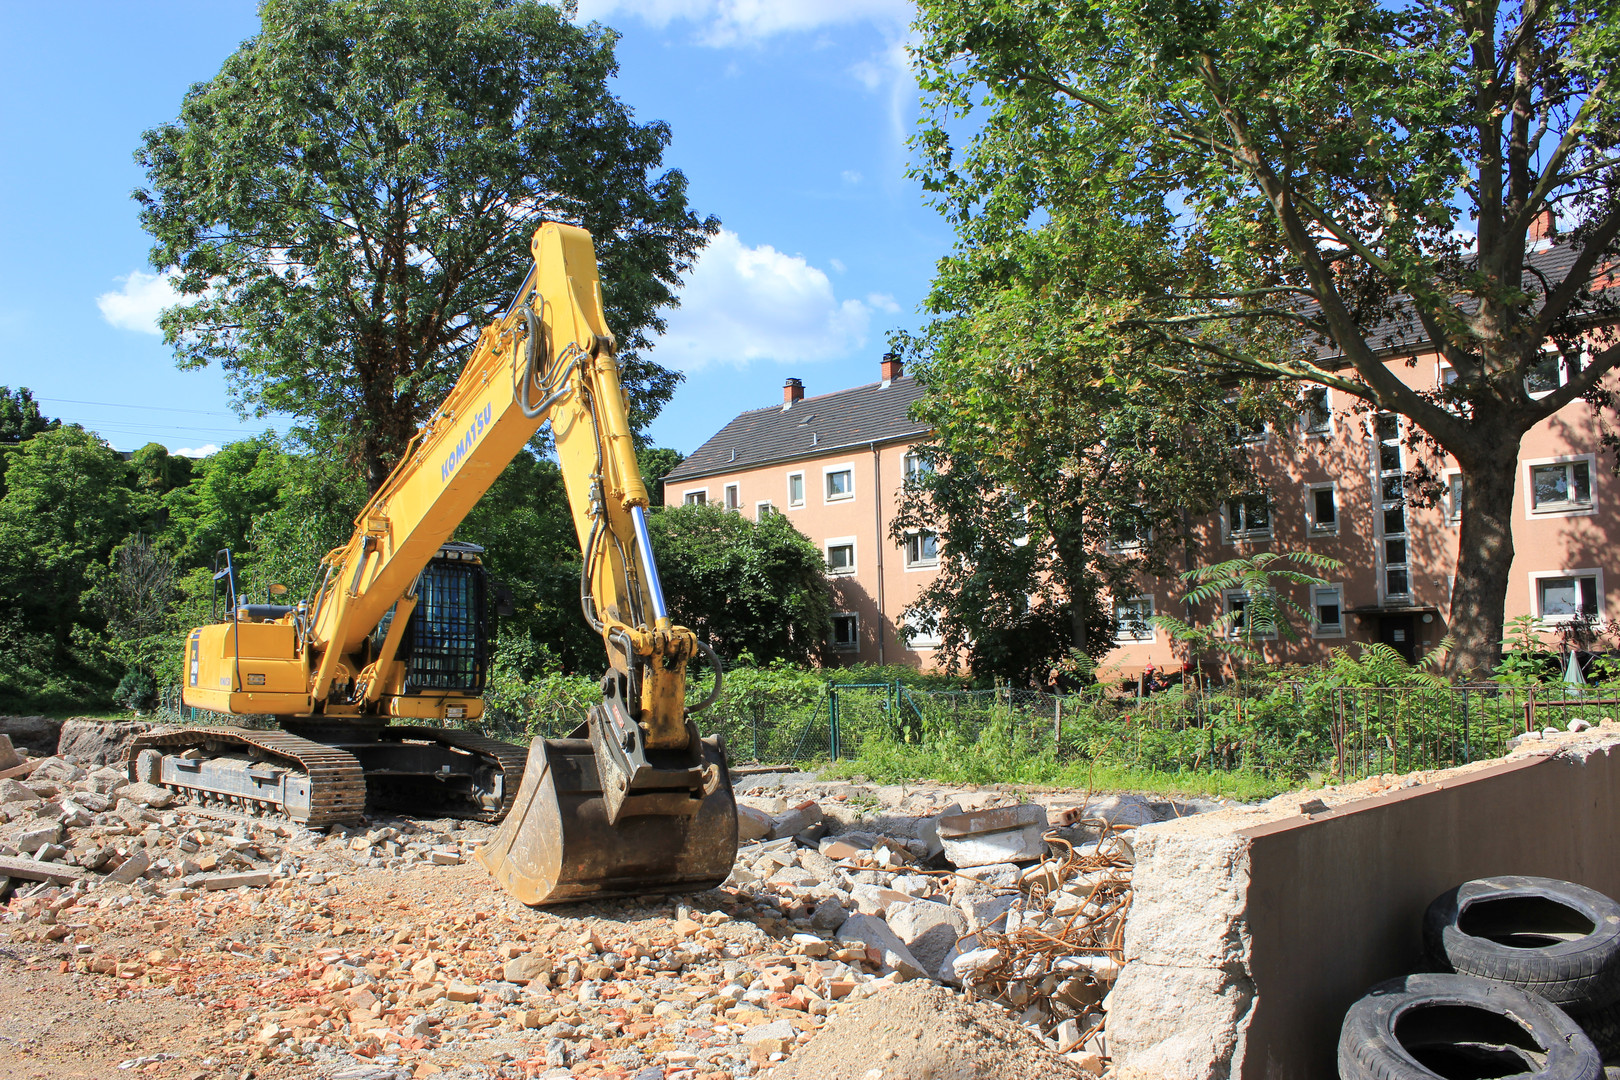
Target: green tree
[743,586]
[1326,170]
[1062,465]
[228,491]
[66,506]
[350,200]
[1267,609]
[656,463]
[20,417]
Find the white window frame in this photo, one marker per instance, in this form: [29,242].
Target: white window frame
[1327,404]
[1260,438]
[827,472]
[686,496]
[763,508]
[1317,630]
[912,464]
[920,564]
[840,541]
[791,505]
[731,497]
[1311,525]
[1560,510]
[921,642]
[1122,637]
[832,639]
[1232,536]
[1536,578]
[1235,631]
[1453,505]
[1585,358]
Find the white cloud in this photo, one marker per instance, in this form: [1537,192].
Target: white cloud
[743,303]
[732,22]
[882,302]
[195,452]
[137,305]
[837,264]
[851,176]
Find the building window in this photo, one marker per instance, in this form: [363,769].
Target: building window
[841,555]
[922,550]
[915,465]
[1322,508]
[1568,595]
[1388,457]
[696,498]
[1551,372]
[1236,604]
[795,489]
[1133,620]
[1327,605]
[733,497]
[1454,497]
[846,632]
[1127,532]
[1315,417]
[840,482]
[1561,487]
[918,639]
[1248,516]
[763,509]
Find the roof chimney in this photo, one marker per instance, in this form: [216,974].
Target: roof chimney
[892,368]
[792,390]
[1543,229]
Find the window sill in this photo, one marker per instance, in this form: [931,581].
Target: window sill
[922,566]
[1336,632]
[1563,511]
[1123,642]
[846,648]
[1250,537]
[840,573]
[1324,530]
[838,498]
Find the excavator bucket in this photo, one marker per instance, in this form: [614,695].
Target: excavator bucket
[557,845]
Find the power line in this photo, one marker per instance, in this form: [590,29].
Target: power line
[123,405]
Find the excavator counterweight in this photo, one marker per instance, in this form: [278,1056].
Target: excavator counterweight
[635,800]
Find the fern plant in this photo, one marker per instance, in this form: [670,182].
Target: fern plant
[1266,611]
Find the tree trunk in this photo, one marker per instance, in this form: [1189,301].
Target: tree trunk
[1484,562]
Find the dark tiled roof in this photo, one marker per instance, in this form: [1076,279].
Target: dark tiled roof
[814,426]
[1402,330]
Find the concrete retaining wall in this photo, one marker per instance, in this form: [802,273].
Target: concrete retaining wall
[1249,938]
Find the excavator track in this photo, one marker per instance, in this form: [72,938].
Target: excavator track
[508,758]
[313,784]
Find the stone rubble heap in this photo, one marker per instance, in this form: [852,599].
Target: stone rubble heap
[373,952]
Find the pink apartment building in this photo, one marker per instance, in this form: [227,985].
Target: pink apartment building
[835,465]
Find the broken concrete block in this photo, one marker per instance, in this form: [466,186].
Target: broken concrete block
[9,759]
[96,742]
[57,770]
[752,824]
[1121,811]
[133,866]
[106,781]
[252,880]
[930,930]
[875,899]
[16,791]
[796,820]
[843,847]
[969,965]
[928,832]
[148,795]
[875,933]
[829,915]
[525,968]
[982,911]
[1006,834]
[51,853]
[32,840]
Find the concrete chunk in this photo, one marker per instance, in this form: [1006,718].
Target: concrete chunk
[32,840]
[875,934]
[253,880]
[752,824]
[930,930]
[17,791]
[57,770]
[135,865]
[9,758]
[796,820]
[149,795]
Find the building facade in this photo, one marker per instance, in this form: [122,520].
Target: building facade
[835,465]
[1333,482]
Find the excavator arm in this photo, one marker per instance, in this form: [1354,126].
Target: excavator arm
[633,801]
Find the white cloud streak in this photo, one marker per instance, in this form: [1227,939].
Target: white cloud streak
[196,452]
[741,22]
[743,304]
[138,303]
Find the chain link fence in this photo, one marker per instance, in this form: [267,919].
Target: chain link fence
[1285,731]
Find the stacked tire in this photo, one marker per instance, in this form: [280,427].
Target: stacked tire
[1525,982]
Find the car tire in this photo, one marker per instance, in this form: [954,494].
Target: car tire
[1419,1027]
[1602,1026]
[1555,939]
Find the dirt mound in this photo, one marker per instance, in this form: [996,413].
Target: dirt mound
[920,1031]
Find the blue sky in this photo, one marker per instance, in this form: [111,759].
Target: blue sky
[789,118]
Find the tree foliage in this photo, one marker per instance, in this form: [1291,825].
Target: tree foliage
[743,586]
[1337,183]
[351,198]
[20,417]
[1067,458]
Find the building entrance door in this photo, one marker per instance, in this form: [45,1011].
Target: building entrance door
[1399,632]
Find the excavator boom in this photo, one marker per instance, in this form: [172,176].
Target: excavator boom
[635,800]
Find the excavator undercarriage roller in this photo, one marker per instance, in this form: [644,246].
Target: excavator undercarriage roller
[557,844]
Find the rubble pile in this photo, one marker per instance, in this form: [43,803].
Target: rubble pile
[375,952]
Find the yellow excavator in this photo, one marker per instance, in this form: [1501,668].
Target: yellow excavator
[393,637]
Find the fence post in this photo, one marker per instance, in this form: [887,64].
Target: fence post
[1057,723]
[832,724]
[759,708]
